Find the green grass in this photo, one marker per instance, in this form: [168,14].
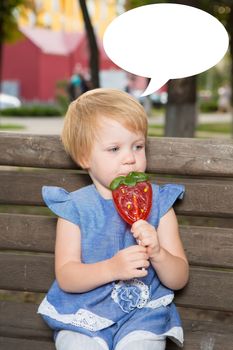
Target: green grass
[157,111]
[11,127]
[223,128]
[220,128]
[156,131]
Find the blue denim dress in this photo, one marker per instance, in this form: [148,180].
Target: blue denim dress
[111,312]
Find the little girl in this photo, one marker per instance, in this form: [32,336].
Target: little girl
[110,292]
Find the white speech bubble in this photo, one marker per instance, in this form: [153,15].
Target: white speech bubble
[165,41]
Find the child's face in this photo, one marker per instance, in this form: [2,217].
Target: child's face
[116,151]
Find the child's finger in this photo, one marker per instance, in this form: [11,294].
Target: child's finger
[141,272]
[137,224]
[146,242]
[136,234]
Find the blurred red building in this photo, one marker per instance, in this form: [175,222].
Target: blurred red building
[44,57]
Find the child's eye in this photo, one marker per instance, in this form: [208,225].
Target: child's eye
[113,149]
[138,147]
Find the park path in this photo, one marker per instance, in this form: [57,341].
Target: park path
[53,125]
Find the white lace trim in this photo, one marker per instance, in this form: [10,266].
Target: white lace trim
[163,301]
[143,288]
[82,318]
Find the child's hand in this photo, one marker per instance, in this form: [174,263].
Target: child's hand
[146,236]
[128,263]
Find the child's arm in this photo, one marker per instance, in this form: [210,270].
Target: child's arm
[76,277]
[165,249]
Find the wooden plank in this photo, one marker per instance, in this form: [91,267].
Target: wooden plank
[200,340]
[25,344]
[188,156]
[200,196]
[21,321]
[207,289]
[42,151]
[175,156]
[17,188]
[36,273]
[204,246]
[26,272]
[208,246]
[207,316]
[199,199]
[205,221]
[204,197]
[27,232]
[201,335]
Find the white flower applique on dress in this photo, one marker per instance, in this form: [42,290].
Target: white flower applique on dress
[130,294]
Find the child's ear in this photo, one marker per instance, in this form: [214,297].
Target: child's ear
[84,163]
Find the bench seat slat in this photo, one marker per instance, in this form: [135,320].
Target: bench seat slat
[36,273]
[194,341]
[28,324]
[205,246]
[200,197]
[176,155]
[22,320]
[25,344]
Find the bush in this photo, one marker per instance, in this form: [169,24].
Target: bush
[208,106]
[62,96]
[33,110]
[63,102]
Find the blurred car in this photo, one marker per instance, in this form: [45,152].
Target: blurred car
[159,98]
[7,101]
[205,95]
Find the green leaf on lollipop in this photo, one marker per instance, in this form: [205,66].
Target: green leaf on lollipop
[130,180]
[116,182]
[138,176]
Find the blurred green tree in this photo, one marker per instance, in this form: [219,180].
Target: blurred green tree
[93,47]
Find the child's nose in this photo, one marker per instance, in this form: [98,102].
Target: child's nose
[129,157]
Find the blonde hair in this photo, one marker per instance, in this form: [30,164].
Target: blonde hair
[84,114]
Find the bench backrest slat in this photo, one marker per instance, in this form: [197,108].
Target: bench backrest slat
[200,198]
[165,155]
[205,246]
[35,273]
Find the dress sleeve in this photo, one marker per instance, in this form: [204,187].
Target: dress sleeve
[168,194]
[61,203]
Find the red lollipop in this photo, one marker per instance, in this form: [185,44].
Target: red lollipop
[132,195]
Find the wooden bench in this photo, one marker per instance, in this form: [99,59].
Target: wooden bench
[205,216]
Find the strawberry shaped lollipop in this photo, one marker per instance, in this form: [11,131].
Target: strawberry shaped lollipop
[132,195]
